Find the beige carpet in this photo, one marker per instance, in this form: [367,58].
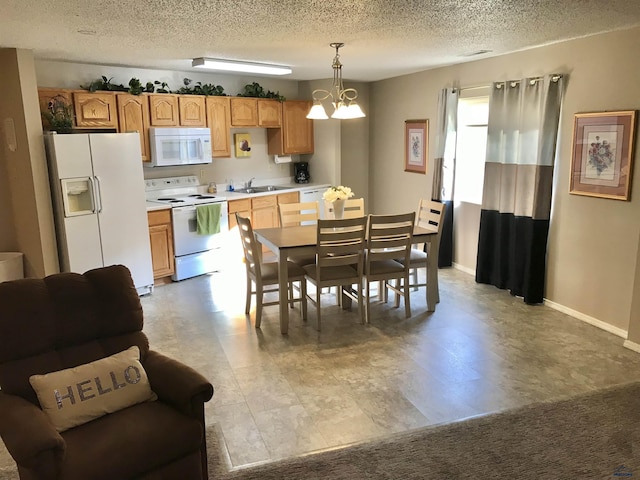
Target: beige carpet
[591,436]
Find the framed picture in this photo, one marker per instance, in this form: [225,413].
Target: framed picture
[602,156]
[416,138]
[243,145]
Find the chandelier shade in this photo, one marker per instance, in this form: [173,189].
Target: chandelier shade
[343,99]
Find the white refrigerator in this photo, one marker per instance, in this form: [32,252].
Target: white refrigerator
[99,203]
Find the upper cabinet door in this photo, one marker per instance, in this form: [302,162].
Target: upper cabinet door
[49,95]
[297,128]
[296,134]
[133,116]
[269,113]
[95,109]
[192,111]
[164,110]
[219,121]
[244,112]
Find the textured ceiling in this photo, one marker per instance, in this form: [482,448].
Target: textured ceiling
[383,38]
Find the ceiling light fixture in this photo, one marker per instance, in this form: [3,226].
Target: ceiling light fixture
[343,99]
[236,66]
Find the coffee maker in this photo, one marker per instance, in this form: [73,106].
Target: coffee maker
[301,172]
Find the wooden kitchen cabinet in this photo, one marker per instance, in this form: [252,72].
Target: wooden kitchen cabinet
[219,121]
[243,207]
[133,116]
[269,113]
[296,134]
[46,95]
[289,197]
[244,112]
[161,239]
[163,108]
[193,111]
[264,211]
[95,109]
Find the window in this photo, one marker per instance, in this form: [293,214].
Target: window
[471,146]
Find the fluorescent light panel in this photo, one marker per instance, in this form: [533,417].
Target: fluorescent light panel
[235,66]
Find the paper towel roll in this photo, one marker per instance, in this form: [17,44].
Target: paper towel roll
[283,159]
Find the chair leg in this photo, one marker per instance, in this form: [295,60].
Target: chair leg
[407,297]
[259,300]
[291,295]
[247,307]
[414,276]
[303,293]
[396,298]
[360,304]
[367,299]
[318,308]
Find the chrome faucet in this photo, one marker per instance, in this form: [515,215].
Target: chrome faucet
[248,183]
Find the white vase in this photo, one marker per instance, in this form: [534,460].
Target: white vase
[338,209]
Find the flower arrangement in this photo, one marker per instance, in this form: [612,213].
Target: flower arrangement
[334,193]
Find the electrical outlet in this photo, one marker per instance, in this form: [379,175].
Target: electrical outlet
[202,173]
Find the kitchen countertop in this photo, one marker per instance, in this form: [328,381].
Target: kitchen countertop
[296,187]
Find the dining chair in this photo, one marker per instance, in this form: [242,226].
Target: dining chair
[430,215]
[388,239]
[266,274]
[340,261]
[296,214]
[353,207]
[300,213]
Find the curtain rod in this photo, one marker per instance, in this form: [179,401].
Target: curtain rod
[513,83]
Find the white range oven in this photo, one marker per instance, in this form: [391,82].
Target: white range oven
[195,254]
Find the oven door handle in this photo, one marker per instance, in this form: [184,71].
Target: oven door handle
[190,208]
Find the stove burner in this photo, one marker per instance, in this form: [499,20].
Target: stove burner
[168,199]
[198,195]
[176,201]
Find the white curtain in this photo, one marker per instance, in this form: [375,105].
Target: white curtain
[444,168]
[516,203]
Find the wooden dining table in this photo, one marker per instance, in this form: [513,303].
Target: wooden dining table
[301,240]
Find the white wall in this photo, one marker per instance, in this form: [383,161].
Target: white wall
[593,242]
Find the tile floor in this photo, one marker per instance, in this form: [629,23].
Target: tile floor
[279,396]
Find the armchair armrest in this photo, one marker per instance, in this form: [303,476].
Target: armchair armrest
[177,384]
[26,431]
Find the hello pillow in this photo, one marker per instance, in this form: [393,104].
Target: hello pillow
[80,394]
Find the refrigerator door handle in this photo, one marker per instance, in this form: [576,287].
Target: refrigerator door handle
[93,193]
[98,194]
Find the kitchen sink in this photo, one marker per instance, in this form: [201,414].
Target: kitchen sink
[266,188]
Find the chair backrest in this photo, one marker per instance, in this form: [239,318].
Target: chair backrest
[340,242]
[293,214]
[389,237]
[430,214]
[353,208]
[65,320]
[250,247]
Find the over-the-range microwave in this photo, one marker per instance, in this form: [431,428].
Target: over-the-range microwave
[172,146]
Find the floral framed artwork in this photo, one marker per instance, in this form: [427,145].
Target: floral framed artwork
[416,138]
[602,154]
[243,145]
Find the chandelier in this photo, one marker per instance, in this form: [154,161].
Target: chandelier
[343,99]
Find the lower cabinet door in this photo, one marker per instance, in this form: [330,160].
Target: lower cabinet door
[161,250]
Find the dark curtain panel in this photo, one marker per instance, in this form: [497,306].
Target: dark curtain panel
[516,203]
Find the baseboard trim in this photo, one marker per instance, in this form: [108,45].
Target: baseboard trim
[632,345]
[470,271]
[587,319]
[576,314]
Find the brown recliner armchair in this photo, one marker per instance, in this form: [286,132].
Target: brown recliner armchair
[66,320]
